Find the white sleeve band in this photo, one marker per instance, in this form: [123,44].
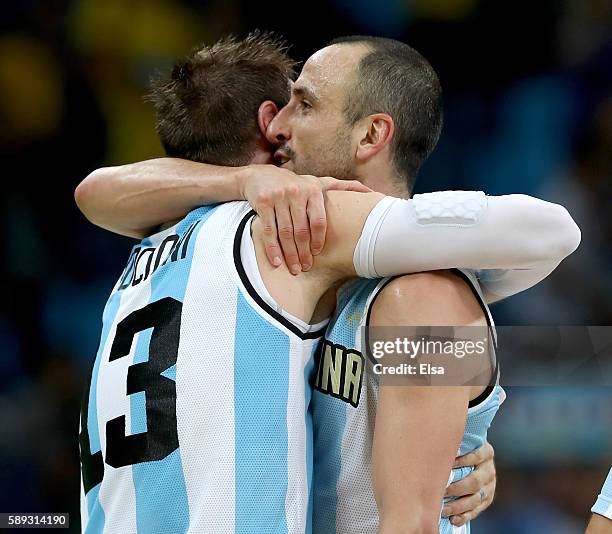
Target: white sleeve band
[443,208]
[521,235]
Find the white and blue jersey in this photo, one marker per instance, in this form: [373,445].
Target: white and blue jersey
[344,410]
[197,415]
[603,505]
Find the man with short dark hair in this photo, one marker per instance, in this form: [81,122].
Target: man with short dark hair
[313,128]
[395,78]
[384,80]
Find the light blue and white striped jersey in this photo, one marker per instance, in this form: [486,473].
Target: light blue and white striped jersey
[344,413]
[603,505]
[197,416]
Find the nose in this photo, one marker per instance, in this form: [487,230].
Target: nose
[278,130]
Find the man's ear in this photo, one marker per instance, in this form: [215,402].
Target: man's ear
[266,112]
[375,134]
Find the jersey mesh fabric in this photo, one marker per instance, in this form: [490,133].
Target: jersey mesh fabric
[342,434]
[344,501]
[478,421]
[242,402]
[603,505]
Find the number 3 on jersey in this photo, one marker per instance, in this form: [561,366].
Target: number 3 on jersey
[161,437]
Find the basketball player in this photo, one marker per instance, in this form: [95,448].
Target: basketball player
[368,243]
[601,522]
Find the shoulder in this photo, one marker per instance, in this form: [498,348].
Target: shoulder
[429,298]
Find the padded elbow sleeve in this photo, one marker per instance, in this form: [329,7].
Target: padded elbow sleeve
[405,236]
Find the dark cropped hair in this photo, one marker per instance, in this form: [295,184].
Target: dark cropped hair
[394,78]
[206,107]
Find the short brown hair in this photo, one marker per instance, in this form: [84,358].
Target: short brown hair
[207,105]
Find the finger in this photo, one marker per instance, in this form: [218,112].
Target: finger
[474,458]
[301,230]
[273,250]
[333,184]
[483,474]
[460,506]
[471,506]
[467,486]
[317,218]
[328,183]
[346,185]
[461,519]
[284,224]
[354,185]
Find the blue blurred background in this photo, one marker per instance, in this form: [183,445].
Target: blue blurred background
[528,108]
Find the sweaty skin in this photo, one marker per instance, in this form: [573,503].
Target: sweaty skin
[599,525]
[414,466]
[284,287]
[307,131]
[346,215]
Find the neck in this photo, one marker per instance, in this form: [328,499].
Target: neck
[385,183]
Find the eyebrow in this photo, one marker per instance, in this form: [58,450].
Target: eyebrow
[301,90]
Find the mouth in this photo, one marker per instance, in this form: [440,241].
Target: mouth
[280,157]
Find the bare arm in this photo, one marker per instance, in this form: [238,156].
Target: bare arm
[415,471]
[474,493]
[599,525]
[419,429]
[133,199]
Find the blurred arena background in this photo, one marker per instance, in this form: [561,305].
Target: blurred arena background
[528,108]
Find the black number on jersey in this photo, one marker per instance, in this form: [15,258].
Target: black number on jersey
[161,437]
[92,465]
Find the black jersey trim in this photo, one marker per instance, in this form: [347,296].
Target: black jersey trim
[371,305]
[495,375]
[489,389]
[366,349]
[256,296]
[479,298]
[485,393]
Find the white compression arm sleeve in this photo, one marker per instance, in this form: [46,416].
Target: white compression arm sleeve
[514,241]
